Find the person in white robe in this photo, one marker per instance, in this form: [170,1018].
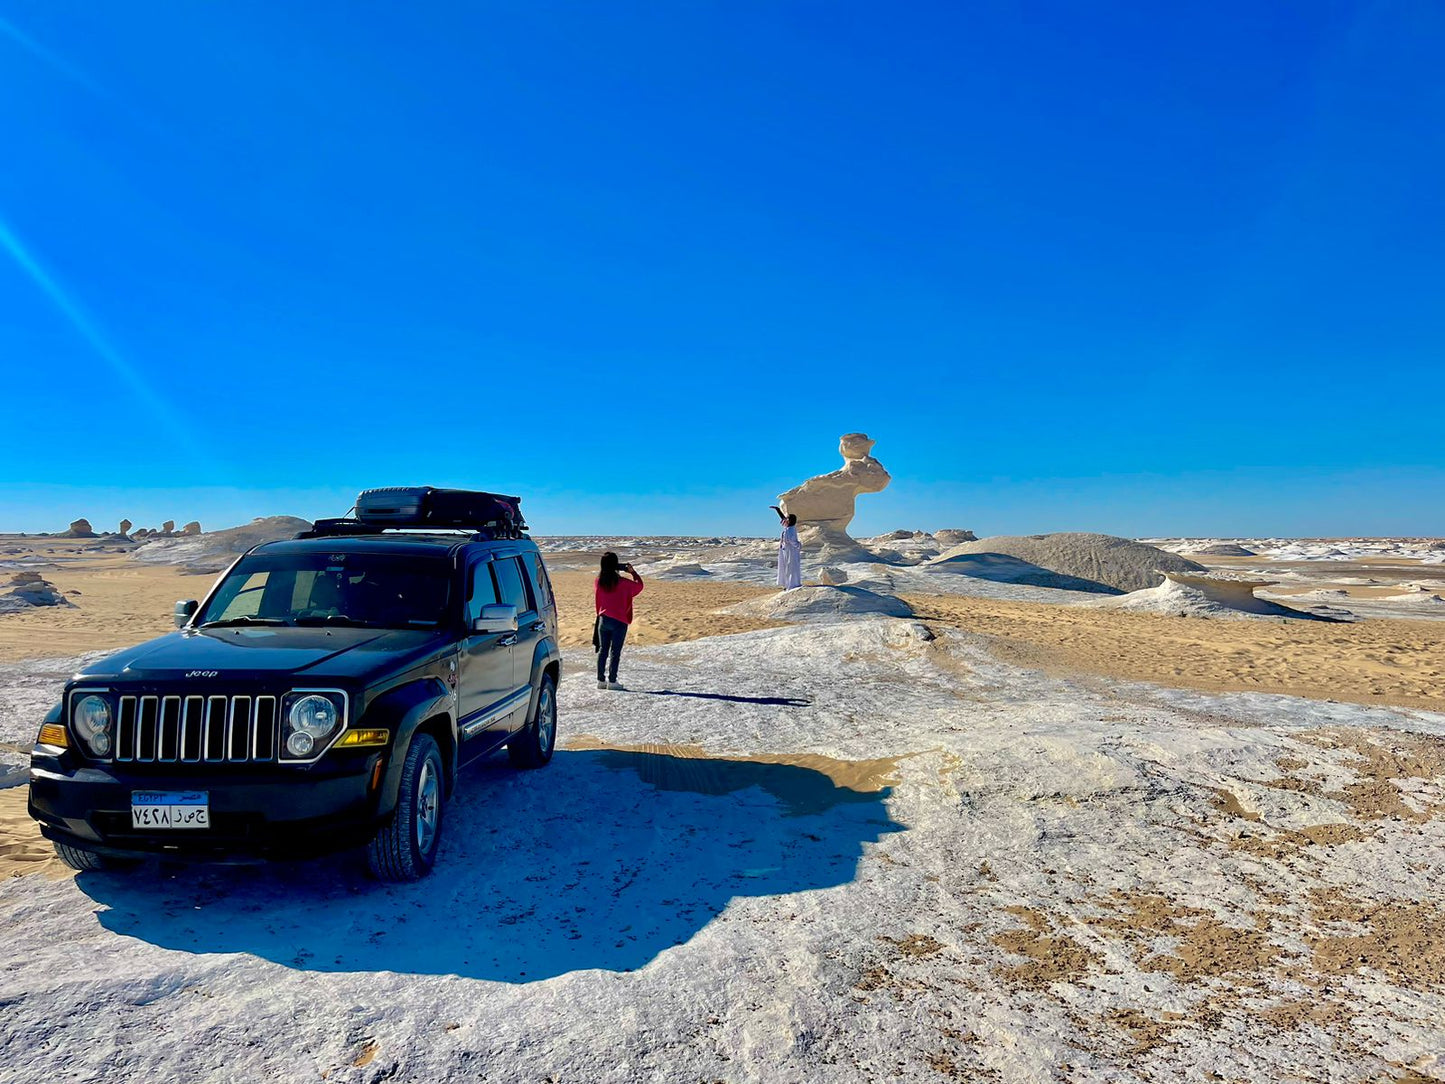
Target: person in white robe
[790,552]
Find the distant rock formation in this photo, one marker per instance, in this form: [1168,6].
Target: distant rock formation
[1071,560]
[1187,594]
[125,526]
[213,551]
[951,536]
[191,528]
[141,532]
[1224,549]
[168,527]
[824,504]
[80,528]
[27,590]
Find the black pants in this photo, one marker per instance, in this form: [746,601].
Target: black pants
[610,634]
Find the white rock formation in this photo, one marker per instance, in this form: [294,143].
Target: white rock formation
[27,590]
[213,551]
[1072,560]
[822,603]
[1185,594]
[824,504]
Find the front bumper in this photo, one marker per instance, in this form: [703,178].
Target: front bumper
[258,814]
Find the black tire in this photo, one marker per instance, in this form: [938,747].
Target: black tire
[533,746]
[78,858]
[405,848]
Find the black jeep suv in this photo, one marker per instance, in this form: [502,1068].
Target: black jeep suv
[324,695]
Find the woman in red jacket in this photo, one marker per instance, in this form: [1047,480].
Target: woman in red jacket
[614,614]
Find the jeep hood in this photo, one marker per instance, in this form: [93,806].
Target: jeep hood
[265,653]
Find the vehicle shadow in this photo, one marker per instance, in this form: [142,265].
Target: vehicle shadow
[770,701]
[604,859]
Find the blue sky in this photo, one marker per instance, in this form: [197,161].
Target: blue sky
[1115,266]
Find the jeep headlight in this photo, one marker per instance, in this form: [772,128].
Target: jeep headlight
[90,718]
[310,720]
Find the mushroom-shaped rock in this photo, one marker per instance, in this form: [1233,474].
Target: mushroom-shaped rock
[80,528]
[125,526]
[168,527]
[193,527]
[824,503]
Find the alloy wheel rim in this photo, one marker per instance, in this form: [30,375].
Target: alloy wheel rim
[546,721]
[427,805]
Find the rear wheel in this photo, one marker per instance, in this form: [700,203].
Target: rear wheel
[78,858]
[405,848]
[532,748]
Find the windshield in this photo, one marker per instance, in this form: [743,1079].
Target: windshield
[371,590]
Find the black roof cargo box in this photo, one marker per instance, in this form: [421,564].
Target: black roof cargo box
[423,508]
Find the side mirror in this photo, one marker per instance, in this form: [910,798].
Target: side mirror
[496,618]
[185,611]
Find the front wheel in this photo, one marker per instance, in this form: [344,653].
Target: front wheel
[78,858]
[405,848]
[532,746]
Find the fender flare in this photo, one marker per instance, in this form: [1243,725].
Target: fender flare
[545,653]
[402,711]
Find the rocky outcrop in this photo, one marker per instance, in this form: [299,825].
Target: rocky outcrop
[951,536]
[824,504]
[168,527]
[27,590]
[1224,549]
[80,528]
[192,528]
[213,551]
[831,577]
[125,526]
[1071,560]
[1187,594]
[822,603]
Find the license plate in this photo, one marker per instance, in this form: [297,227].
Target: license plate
[170,809]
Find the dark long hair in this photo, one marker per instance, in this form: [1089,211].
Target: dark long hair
[610,566]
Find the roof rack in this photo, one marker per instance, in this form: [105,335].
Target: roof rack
[486,516]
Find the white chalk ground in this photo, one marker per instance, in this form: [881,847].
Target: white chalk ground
[631,916]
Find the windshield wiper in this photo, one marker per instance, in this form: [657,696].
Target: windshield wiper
[340,619]
[244,621]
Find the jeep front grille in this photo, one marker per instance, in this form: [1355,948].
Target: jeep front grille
[196,729]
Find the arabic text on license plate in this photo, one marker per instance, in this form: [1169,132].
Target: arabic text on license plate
[170,809]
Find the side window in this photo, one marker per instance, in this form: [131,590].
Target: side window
[510,584]
[537,573]
[481,591]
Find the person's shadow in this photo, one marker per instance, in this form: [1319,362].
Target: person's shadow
[767,701]
[604,859]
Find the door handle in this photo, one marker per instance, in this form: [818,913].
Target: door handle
[507,640]
[540,626]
